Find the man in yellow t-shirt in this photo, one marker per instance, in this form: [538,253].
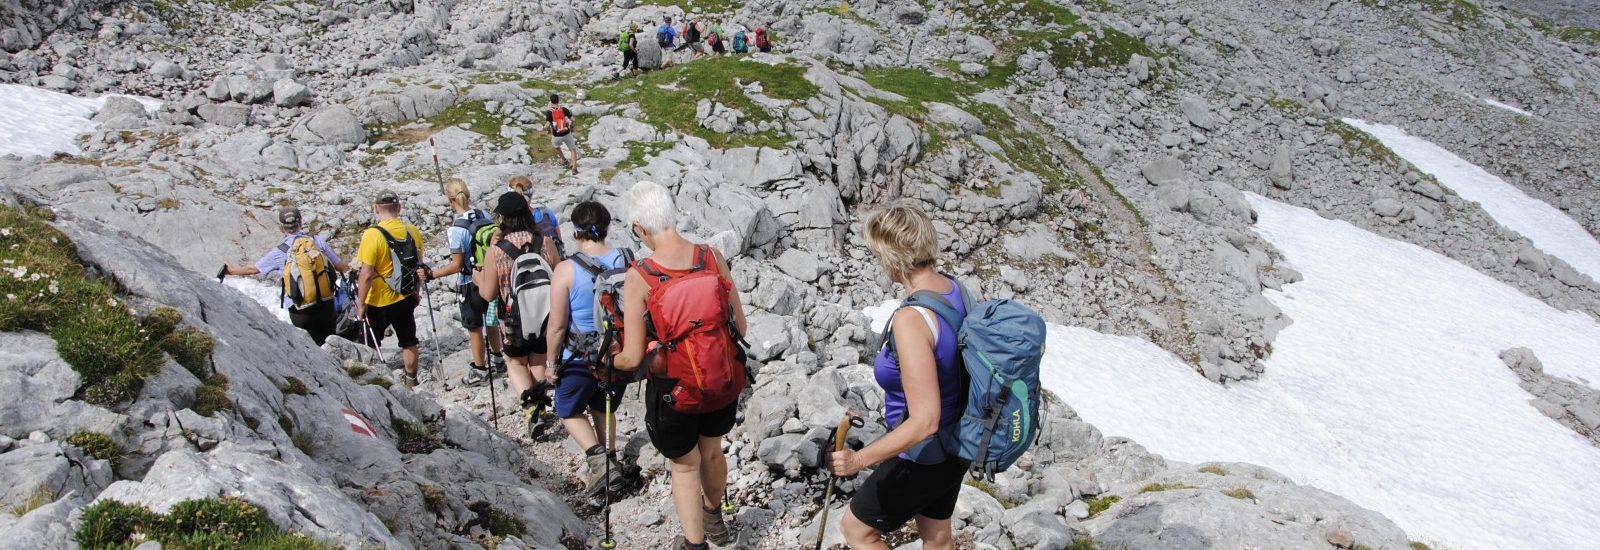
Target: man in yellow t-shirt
[387,293]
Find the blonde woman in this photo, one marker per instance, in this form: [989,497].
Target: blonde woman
[473,306]
[920,371]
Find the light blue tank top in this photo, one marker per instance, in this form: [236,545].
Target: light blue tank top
[580,300]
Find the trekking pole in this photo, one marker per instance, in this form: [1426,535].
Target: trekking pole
[494,404]
[611,442]
[839,435]
[438,354]
[375,341]
[438,173]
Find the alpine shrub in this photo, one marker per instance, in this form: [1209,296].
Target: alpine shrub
[212,396]
[190,347]
[226,520]
[97,445]
[113,524]
[161,322]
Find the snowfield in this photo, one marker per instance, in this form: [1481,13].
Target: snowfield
[1550,229]
[269,296]
[35,121]
[1387,389]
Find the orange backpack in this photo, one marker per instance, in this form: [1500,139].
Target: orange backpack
[559,120]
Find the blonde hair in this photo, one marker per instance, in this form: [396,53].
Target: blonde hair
[903,239]
[521,183]
[456,192]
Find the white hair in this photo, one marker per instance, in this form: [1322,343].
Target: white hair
[650,205]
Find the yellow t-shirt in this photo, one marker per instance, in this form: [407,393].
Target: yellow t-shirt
[374,251]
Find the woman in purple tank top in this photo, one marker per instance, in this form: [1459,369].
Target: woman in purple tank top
[920,375]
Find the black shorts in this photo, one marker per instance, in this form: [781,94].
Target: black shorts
[398,316]
[675,434]
[473,306]
[317,320]
[630,58]
[518,347]
[900,490]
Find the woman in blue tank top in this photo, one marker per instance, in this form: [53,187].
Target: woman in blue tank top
[572,321]
[921,380]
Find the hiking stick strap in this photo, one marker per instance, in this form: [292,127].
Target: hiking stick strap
[980,467]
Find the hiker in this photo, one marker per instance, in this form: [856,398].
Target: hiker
[392,273]
[545,218]
[764,37]
[694,307]
[666,34]
[920,372]
[694,37]
[308,266]
[740,41]
[469,236]
[560,119]
[627,41]
[517,236]
[577,345]
[715,39]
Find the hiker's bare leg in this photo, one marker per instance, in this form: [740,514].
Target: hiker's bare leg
[935,533]
[475,343]
[601,427]
[408,357]
[574,160]
[582,432]
[517,371]
[494,339]
[858,535]
[686,496]
[713,470]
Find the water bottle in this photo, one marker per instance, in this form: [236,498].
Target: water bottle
[491,318]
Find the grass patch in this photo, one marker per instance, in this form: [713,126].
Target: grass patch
[1082,543]
[999,74]
[1101,504]
[202,524]
[1159,487]
[38,498]
[212,396]
[638,155]
[496,521]
[669,96]
[433,498]
[190,347]
[1420,546]
[414,437]
[357,371]
[1458,12]
[293,386]
[97,445]
[1580,34]
[1240,493]
[302,443]
[991,490]
[46,289]
[380,381]
[1214,470]
[706,6]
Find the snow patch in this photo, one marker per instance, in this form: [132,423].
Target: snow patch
[269,296]
[1550,229]
[1499,105]
[1387,389]
[35,121]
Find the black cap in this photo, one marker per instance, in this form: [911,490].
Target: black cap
[387,197]
[289,216]
[512,204]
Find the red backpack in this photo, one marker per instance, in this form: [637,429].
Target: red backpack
[691,319]
[761,37]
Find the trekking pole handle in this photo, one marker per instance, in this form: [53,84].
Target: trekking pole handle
[843,431]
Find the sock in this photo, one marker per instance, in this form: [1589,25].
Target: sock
[475,366]
[595,450]
[700,546]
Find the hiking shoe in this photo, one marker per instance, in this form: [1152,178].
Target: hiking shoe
[596,476]
[717,531]
[410,380]
[475,377]
[497,364]
[537,423]
[681,543]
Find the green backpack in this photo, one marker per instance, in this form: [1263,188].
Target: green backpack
[482,227]
[622,41]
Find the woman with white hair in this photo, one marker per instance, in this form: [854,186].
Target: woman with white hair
[696,367]
[919,369]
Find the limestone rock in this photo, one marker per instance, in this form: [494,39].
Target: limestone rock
[332,125]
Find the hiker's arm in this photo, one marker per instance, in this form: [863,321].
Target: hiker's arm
[733,292]
[457,262]
[551,256]
[555,328]
[488,278]
[919,376]
[633,342]
[241,269]
[363,286]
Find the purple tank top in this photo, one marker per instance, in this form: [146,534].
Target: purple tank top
[947,360]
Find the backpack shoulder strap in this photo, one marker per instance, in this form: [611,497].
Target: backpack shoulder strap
[588,264]
[509,249]
[389,237]
[627,256]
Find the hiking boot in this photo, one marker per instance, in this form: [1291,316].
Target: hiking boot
[681,543]
[538,422]
[476,376]
[410,380]
[497,364]
[717,531]
[597,473]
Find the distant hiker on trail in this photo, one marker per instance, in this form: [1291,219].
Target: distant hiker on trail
[921,376]
[716,36]
[579,345]
[543,217]
[627,41]
[764,37]
[694,37]
[509,281]
[391,275]
[560,119]
[667,35]
[696,366]
[309,269]
[740,41]
[469,236]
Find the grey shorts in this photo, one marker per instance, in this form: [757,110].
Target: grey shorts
[569,141]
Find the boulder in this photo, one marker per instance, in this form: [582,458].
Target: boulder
[965,123]
[166,69]
[1281,172]
[800,264]
[1198,113]
[1162,170]
[332,126]
[1387,207]
[231,115]
[288,93]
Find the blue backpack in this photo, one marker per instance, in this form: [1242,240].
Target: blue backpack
[664,36]
[739,45]
[550,227]
[1001,344]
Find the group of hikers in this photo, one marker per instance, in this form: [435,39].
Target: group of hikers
[959,378]
[699,36]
